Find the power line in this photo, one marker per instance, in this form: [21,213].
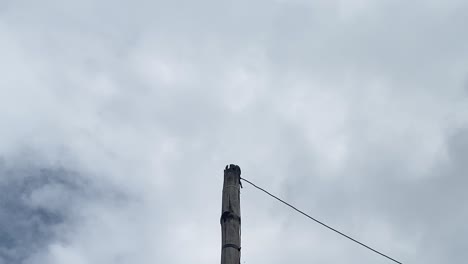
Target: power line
[323,224]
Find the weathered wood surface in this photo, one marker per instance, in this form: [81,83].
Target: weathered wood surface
[230,216]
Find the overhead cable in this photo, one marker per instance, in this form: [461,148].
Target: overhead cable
[321,223]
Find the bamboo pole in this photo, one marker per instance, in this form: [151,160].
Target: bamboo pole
[230,216]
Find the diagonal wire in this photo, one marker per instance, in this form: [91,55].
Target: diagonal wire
[323,224]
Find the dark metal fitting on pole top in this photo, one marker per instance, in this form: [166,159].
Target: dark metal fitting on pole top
[233,168]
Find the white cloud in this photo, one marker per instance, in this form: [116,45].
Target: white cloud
[353,110]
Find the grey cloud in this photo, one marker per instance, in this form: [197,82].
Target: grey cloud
[41,204]
[28,221]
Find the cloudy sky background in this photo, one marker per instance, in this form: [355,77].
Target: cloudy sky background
[118,117]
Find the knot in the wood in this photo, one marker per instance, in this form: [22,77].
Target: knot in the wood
[228,215]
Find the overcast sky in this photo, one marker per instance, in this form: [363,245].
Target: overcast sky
[118,117]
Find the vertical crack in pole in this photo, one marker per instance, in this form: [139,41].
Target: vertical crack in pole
[230,216]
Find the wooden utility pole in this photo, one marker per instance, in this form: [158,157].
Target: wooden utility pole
[230,216]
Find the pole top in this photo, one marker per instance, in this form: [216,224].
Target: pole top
[232,168]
